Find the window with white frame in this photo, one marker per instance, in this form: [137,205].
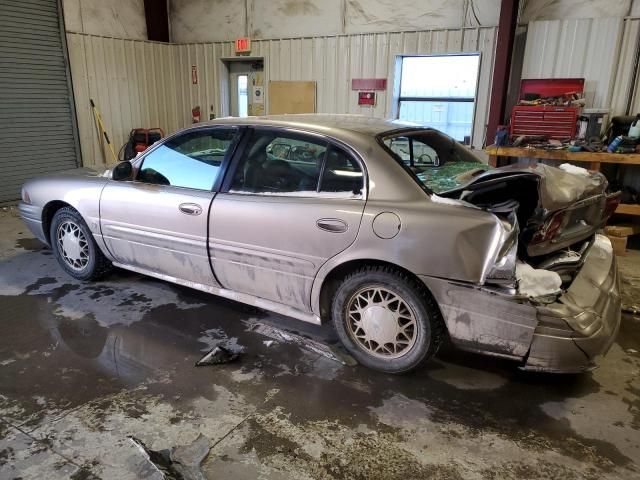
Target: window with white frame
[439,91]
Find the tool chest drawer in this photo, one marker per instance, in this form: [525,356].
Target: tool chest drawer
[556,122]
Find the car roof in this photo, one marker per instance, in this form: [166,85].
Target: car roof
[325,123]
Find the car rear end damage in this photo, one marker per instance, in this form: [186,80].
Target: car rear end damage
[564,336]
[552,298]
[584,321]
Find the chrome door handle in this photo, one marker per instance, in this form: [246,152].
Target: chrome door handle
[190,208]
[333,225]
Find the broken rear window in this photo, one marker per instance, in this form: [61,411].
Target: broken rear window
[435,160]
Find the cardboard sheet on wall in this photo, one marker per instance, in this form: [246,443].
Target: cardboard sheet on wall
[292,97]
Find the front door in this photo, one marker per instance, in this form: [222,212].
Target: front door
[158,222]
[293,202]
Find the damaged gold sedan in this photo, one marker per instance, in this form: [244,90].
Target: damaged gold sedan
[355,221]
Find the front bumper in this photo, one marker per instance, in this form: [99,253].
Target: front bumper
[32,216]
[583,323]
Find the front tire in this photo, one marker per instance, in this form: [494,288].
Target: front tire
[74,247]
[387,320]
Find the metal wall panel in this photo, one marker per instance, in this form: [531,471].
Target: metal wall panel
[142,84]
[133,83]
[333,61]
[624,75]
[37,125]
[585,48]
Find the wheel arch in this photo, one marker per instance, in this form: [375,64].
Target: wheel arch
[332,279]
[48,211]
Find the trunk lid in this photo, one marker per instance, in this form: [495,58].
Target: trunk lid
[557,208]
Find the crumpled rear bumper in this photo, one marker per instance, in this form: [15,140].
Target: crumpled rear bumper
[583,323]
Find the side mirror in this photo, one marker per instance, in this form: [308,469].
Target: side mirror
[122,171]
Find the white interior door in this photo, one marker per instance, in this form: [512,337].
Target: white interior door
[239,94]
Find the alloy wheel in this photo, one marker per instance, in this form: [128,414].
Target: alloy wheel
[73,245]
[381,322]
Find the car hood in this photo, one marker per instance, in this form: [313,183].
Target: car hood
[78,172]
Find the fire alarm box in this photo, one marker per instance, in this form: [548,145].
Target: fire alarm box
[367,98]
[555,121]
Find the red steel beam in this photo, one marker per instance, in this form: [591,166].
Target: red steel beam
[157,17]
[502,66]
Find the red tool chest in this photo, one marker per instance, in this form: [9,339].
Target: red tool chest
[557,122]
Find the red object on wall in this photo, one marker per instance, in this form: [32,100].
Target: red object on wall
[367,98]
[243,45]
[556,122]
[194,74]
[368,84]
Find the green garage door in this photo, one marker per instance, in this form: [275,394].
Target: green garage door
[37,118]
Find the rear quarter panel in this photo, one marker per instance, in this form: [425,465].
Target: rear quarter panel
[435,240]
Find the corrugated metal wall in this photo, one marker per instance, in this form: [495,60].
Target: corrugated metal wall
[333,61]
[149,84]
[37,132]
[624,73]
[129,81]
[585,48]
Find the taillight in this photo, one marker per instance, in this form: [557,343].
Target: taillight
[550,228]
[610,205]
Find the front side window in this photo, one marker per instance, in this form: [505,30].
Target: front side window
[191,160]
[437,160]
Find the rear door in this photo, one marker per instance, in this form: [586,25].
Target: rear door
[292,201]
[158,222]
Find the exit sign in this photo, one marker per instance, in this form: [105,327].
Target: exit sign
[243,45]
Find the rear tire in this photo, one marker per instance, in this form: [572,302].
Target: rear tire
[387,320]
[74,247]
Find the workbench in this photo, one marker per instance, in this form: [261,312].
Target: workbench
[592,159]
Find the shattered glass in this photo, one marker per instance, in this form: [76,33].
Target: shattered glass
[450,175]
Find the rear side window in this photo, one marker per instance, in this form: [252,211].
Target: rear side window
[191,160]
[292,164]
[341,173]
[280,164]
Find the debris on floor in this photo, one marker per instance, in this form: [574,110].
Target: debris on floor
[177,463]
[306,343]
[535,282]
[216,356]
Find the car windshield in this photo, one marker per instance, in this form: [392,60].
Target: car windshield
[436,160]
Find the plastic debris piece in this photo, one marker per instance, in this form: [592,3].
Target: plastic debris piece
[159,460]
[188,458]
[569,168]
[268,343]
[177,463]
[217,356]
[306,343]
[535,283]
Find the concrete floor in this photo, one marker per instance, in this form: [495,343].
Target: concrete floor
[84,366]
